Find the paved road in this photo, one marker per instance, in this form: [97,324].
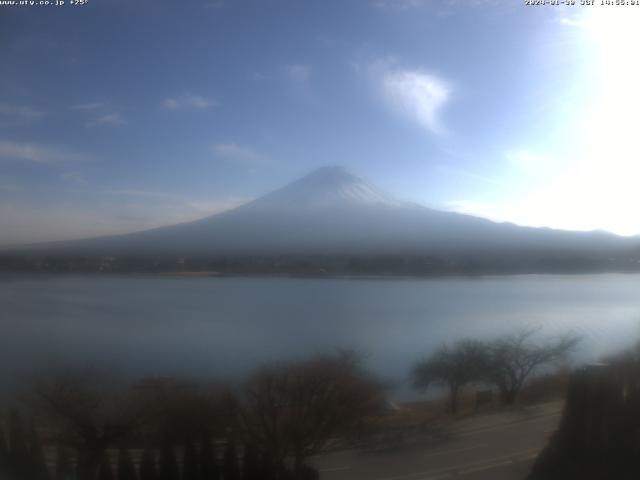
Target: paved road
[493,447]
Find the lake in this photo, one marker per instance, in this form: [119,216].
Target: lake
[224,327]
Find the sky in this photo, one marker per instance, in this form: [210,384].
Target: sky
[119,115]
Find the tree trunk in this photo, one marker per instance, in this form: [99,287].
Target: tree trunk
[453,398]
[509,397]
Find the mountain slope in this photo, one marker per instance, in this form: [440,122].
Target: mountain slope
[331,211]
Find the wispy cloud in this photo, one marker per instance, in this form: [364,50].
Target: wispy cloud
[74,177]
[36,153]
[298,77]
[88,106]
[25,112]
[103,114]
[415,94]
[109,119]
[257,76]
[188,102]
[298,72]
[238,153]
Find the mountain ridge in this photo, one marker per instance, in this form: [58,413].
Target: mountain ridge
[334,212]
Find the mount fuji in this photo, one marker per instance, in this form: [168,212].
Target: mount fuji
[333,212]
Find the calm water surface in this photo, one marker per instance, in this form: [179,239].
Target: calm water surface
[223,327]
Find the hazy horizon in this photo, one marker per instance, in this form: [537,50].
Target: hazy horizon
[121,117]
[387,197]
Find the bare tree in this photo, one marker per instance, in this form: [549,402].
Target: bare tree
[512,359]
[291,411]
[454,367]
[89,412]
[186,409]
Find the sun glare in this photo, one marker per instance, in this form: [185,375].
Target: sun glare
[607,168]
[595,181]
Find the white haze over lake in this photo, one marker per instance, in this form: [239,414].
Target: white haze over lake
[223,328]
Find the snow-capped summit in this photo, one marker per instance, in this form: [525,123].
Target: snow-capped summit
[325,187]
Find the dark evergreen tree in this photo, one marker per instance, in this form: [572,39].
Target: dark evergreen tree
[190,462]
[126,469]
[37,461]
[104,470]
[230,467]
[148,470]
[168,462]
[18,451]
[209,469]
[64,469]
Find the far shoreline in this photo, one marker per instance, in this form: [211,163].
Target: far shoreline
[293,276]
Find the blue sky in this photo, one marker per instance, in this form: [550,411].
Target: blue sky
[119,115]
